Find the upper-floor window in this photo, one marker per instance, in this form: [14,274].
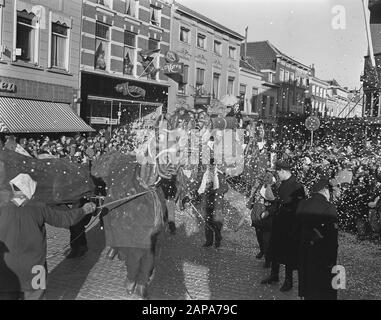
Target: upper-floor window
[154,44]
[106,3]
[200,78]
[216,85]
[102,44]
[230,88]
[60,46]
[254,100]
[184,34]
[201,40]
[232,52]
[27,37]
[292,76]
[286,76]
[184,80]
[129,56]
[131,8]
[270,77]
[218,47]
[155,15]
[281,75]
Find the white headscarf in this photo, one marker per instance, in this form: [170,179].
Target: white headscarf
[25,183]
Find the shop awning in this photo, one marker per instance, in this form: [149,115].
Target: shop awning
[23,116]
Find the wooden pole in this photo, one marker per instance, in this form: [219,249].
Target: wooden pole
[368,36]
[312,138]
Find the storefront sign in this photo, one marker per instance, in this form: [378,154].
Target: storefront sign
[172,68]
[202,101]
[133,91]
[7,86]
[103,120]
[171,57]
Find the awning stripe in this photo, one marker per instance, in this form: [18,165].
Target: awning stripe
[21,115]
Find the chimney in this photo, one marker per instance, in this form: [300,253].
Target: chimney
[313,70]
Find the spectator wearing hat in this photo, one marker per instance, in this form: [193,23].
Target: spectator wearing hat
[318,236]
[283,242]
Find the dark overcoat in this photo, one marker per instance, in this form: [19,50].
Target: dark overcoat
[284,241]
[318,233]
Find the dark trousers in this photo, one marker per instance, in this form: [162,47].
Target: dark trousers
[259,233]
[139,263]
[26,295]
[213,231]
[77,233]
[263,238]
[275,271]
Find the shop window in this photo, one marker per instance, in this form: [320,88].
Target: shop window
[242,96]
[184,34]
[129,56]
[201,40]
[264,104]
[184,80]
[60,46]
[155,14]
[27,37]
[200,77]
[272,105]
[216,85]
[230,88]
[218,47]
[131,8]
[102,43]
[254,100]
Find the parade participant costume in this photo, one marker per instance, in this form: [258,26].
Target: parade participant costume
[318,236]
[212,189]
[23,238]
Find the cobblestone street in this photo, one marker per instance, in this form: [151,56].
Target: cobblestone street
[184,270]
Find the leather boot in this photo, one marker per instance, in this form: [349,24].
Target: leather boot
[141,291]
[287,286]
[271,279]
[130,286]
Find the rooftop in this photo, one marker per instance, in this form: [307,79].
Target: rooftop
[207,21]
[266,54]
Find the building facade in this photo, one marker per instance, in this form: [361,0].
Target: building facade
[39,65]
[317,95]
[372,74]
[341,103]
[210,53]
[290,75]
[258,96]
[124,43]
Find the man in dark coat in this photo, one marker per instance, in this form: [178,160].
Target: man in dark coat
[283,242]
[317,219]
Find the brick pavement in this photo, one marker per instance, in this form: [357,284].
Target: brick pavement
[184,271]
